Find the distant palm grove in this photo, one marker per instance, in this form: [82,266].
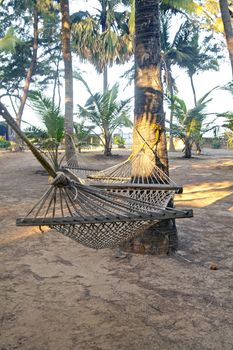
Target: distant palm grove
[40,42]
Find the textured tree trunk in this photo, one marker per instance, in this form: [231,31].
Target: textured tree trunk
[149,126]
[108,143]
[170,89]
[67,58]
[198,150]
[30,72]
[187,149]
[105,79]
[226,18]
[193,89]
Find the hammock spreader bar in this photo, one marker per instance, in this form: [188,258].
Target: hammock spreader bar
[92,216]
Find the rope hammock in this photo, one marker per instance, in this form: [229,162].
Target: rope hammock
[96,216]
[93,217]
[153,186]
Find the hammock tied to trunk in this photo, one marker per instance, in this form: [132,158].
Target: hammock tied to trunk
[97,215]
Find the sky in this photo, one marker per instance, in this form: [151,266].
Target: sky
[205,81]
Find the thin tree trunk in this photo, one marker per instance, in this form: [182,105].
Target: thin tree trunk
[105,78]
[170,89]
[67,58]
[31,69]
[193,89]
[56,79]
[187,149]
[149,123]
[108,144]
[226,18]
[195,102]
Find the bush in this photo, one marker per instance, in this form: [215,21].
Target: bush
[4,143]
[119,141]
[229,138]
[216,143]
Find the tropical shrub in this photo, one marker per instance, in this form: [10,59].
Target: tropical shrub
[229,138]
[216,143]
[103,109]
[119,141]
[189,124]
[82,133]
[4,143]
[50,137]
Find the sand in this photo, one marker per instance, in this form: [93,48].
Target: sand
[58,295]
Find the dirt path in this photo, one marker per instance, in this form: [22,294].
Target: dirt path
[58,295]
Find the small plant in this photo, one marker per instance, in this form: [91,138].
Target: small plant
[82,133]
[4,143]
[107,112]
[216,143]
[119,141]
[229,138]
[50,137]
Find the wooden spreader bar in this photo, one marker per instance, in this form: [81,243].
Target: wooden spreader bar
[141,187]
[163,215]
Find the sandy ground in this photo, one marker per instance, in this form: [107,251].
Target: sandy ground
[58,295]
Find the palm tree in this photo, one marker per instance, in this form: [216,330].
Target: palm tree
[189,125]
[149,118]
[106,112]
[103,39]
[82,133]
[172,51]
[227,23]
[51,136]
[31,68]
[49,114]
[67,58]
[199,57]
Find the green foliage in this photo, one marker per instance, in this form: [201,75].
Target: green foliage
[36,134]
[229,138]
[82,133]
[16,18]
[189,125]
[119,141]
[105,111]
[200,56]
[229,87]
[9,41]
[103,38]
[216,143]
[229,120]
[4,143]
[49,114]
[184,5]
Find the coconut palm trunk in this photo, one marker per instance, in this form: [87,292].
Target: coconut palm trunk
[171,93]
[226,18]
[193,89]
[149,119]
[105,78]
[108,143]
[31,69]
[67,58]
